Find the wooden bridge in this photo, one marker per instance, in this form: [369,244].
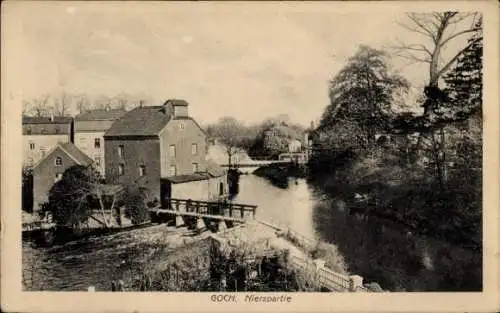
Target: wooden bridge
[254,163]
[38,225]
[201,214]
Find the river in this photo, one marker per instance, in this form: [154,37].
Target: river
[374,249]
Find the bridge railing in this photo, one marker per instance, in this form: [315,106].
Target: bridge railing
[213,207]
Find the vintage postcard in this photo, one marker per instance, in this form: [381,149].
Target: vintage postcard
[250,156]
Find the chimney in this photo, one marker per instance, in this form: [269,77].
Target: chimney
[178,108]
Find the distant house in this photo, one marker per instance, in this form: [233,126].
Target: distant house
[42,134]
[294,146]
[163,149]
[51,168]
[89,133]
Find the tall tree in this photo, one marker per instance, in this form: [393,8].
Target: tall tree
[39,106]
[61,104]
[439,30]
[231,134]
[361,93]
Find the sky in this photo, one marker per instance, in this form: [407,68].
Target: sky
[250,61]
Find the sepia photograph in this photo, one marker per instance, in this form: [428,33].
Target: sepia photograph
[248,152]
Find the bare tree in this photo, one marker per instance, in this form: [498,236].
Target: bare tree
[82,103]
[439,30]
[39,106]
[61,104]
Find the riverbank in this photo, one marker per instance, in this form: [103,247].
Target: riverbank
[279,174]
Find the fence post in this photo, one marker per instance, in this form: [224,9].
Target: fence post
[355,281]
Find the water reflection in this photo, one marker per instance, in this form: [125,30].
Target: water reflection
[378,250]
[375,249]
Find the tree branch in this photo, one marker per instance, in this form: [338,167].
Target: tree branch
[445,41]
[414,30]
[447,66]
[421,25]
[413,58]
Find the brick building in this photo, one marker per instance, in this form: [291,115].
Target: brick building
[42,134]
[89,133]
[163,149]
[51,168]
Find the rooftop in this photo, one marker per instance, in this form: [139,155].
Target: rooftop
[141,121]
[101,115]
[47,120]
[71,150]
[80,157]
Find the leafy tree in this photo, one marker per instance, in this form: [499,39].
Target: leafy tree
[361,93]
[360,106]
[134,200]
[232,134]
[71,198]
[76,195]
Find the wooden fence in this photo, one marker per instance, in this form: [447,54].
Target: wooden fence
[212,208]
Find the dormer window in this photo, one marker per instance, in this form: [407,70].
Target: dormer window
[142,170]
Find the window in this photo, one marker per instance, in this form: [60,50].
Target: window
[181,125]
[172,150]
[194,149]
[97,143]
[28,131]
[195,167]
[58,161]
[120,151]
[121,169]
[83,143]
[30,161]
[42,151]
[173,170]
[97,159]
[42,131]
[142,170]
[32,146]
[57,129]
[58,177]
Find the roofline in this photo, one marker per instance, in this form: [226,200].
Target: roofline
[96,119]
[71,156]
[183,118]
[130,137]
[59,145]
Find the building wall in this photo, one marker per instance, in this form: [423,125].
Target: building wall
[44,176]
[85,141]
[43,145]
[182,138]
[136,152]
[93,126]
[202,190]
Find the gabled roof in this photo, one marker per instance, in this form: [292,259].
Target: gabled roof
[72,151]
[214,170]
[177,102]
[141,121]
[101,115]
[187,178]
[47,120]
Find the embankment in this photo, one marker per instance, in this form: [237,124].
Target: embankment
[279,174]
